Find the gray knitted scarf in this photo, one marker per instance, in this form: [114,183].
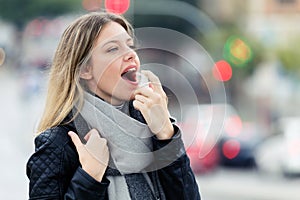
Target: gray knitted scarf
[130,147]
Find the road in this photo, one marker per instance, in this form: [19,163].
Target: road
[19,115]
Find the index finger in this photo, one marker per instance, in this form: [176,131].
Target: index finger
[153,79]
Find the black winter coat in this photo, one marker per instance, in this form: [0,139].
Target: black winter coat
[55,173]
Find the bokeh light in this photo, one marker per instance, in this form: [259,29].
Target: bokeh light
[231,148]
[237,51]
[222,71]
[36,27]
[91,5]
[233,126]
[2,56]
[117,6]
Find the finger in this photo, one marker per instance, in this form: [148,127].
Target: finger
[145,91]
[92,131]
[96,146]
[95,140]
[141,98]
[151,76]
[95,136]
[87,136]
[75,139]
[138,105]
[155,82]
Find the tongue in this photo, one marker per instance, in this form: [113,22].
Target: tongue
[131,76]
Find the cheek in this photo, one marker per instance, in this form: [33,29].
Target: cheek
[109,74]
[137,59]
[100,68]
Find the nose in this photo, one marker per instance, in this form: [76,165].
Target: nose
[130,54]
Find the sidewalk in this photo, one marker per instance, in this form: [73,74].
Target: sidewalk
[17,121]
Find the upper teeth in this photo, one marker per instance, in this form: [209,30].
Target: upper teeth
[131,70]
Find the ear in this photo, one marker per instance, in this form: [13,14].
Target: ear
[86,72]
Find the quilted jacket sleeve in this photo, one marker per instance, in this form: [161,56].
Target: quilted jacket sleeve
[176,176]
[55,173]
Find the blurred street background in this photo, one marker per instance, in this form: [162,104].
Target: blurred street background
[243,145]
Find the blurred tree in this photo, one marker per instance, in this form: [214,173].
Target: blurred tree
[217,46]
[290,59]
[20,12]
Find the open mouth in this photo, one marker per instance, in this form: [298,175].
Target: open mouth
[130,75]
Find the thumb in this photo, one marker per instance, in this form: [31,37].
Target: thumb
[75,139]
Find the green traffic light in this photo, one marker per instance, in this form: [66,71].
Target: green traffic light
[237,51]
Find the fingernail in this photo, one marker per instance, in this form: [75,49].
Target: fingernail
[70,133]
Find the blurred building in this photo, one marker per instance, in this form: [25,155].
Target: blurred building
[272,21]
[270,91]
[275,22]
[224,11]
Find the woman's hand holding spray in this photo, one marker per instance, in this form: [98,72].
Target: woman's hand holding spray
[151,100]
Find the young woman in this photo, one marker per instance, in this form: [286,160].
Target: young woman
[102,136]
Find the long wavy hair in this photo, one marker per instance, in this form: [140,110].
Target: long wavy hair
[64,87]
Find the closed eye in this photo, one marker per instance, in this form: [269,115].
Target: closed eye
[133,47]
[113,49]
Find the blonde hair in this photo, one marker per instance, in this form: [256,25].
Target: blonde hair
[76,43]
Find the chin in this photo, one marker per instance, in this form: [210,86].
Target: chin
[130,97]
[126,97]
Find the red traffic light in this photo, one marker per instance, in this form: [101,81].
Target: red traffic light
[222,71]
[117,6]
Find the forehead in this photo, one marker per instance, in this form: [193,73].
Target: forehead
[112,31]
